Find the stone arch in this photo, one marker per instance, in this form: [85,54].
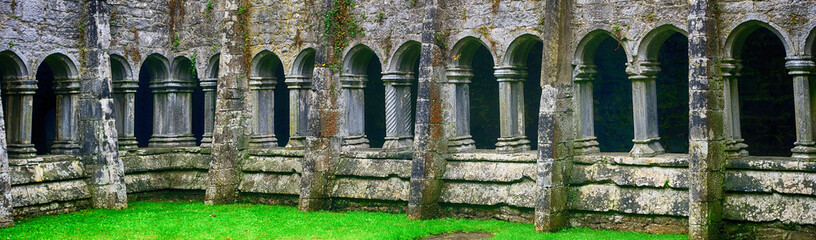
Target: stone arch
[299,82]
[464,50]
[516,54]
[585,52]
[16,97]
[183,70]
[810,40]
[650,44]
[61,65]
[154,69]
[401,82]
[519,79]
[737,36]
[158,65]
[208,86]
[304,63]
[54,117]
[270,101]
[406,57]
[212,66]
[363,92]
[124,89]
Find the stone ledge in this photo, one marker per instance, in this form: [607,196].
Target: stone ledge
[493,156]
[42,159]
[177,160]
[392,189]
[276,164]
[489,171]
[162,150]
[643,201]
[803,183]
[662,160]
[770,207]
[270,183]
[374,167]
[770,163]
[630,222]
[378,154]
[488,194]
[186,180]
[42,193]
[46,172]
[275,152]
[630,175]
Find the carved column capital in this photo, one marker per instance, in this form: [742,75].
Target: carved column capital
[172,85]
[642,70]
[510,74]
[459,75]
[299,81]
[583,73]
[262,83]
[125,85]
[398,78]
[800,65]
[208,84]
[352,81]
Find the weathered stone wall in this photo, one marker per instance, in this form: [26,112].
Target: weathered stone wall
[568,181]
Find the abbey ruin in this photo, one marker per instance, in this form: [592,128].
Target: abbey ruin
[660,116]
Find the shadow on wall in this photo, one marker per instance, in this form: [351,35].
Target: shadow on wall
[484,101]
[612,103]
[672,94]
[44,112]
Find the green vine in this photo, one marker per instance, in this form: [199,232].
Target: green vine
[14,4]
[210,6]
[176,12]
[340,27]
[193,62]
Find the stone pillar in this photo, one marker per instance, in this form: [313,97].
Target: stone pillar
[124,96]
[399,118]
[6,216]
[208,86]
[644,105]
[18,117]
[300,88]
[511,109]
[735,146]
[172,113]
[67,93]
[96,124]
[801,68]
[457,109]
[263,114]
[353,97]
[586,142]
[706,135]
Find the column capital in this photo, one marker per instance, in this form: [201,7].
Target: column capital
[456,75]
[800,65]
[398,78]
[583,73]
[642,70]
[172,85]
[208,84]
[353,81]
[19,86]
[125,85]
[66,85]
[299,81]
[262,83]
[730,67]
[510,73]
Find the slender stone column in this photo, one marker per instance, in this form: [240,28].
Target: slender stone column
[67,91]
[399,119]
[124,96]
[735,146]
[586,142]
[172,116]
[18,117]
[644,105]
[353,97]
[208,86]
[300,88]
[801,68]
[263,116]
[511,108]
[457,109]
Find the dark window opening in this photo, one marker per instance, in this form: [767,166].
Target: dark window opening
[766,96]
[672,94]
[44,111]
[281,108]
[612,99]
[484,101]
[143,107]
[532,94]
[374,97]
[197,112]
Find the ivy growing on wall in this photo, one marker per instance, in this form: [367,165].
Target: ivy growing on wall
[340,26]
[176,11]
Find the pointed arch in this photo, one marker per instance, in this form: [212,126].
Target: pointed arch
[518,51]
[212,66]
[736,39]
[588,46]
[265,64]
[357,59]
[406,57]
[465,49]
[304,63]
[650,45]
[13,66]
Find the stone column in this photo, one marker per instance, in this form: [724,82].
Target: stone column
[511,109]
[67,93]
[263,114]
[208,86]
[399,118]
[124,96]
[735,146]
[172,113]
[801,68]
[586,142]
[300,88]
[457,109]
[18,117]
[353,98]
[706,135]
[644,105]
[6,216]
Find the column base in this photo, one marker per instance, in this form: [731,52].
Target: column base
[296,142]
[461,143]
[21,150]
[647,148]
[171,141]
[513,144]
[263,141]
[66,147]
[804,151]
[206,140]
[128,143]
[355,142]
[586,146]
[736,148]
[398,143]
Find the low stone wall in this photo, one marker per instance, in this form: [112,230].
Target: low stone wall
[158,169]
[48,185]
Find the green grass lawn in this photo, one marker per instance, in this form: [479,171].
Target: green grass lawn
[182,220]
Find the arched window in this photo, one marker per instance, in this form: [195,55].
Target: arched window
[364,97]
[520,92]
[300,88]
[270,102]
[124,93]
[17,95]
[400,96]
[54,109]
[154,69]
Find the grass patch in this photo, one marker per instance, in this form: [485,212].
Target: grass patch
[183,220]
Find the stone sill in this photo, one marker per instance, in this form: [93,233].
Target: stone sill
[771,163]
[490,155]
[622,158]
[41,159]
[163,150]
[276,152]
[378,153]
